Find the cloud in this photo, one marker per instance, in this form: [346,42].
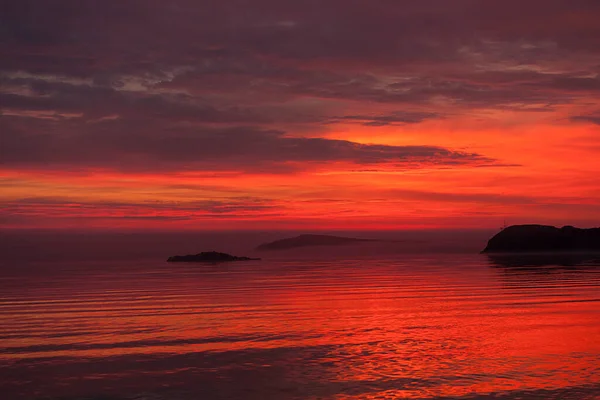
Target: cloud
[57,207]
[227,63]
[132,83]
[332,29]
[398,117]
[98,101]
[593,118]
[483,198]
[135,144]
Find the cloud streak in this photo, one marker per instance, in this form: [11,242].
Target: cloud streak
[122,145]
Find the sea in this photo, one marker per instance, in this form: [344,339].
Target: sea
[101,315]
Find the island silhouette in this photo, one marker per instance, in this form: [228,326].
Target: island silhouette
[311,240]
[544,239]
[209,256]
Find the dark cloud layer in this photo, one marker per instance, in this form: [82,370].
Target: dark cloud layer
[127,34]
[594,119]
[389,119]
[126,145]
[215,84]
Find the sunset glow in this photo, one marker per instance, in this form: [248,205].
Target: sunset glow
[445,116]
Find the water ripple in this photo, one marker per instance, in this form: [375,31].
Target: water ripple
[405,327]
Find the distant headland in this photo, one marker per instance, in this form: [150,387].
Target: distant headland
[544,239]
[209,256]
[310,240]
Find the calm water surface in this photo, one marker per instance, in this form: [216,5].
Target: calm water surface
[398,326]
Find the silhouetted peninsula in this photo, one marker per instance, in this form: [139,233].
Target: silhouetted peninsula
[310,240]
[541,238]
[209,256]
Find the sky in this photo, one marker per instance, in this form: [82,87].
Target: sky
[313,114]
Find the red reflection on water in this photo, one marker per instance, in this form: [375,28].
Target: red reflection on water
[411,329]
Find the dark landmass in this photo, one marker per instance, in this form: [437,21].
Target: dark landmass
[544,239]
[209,256]
[310,240]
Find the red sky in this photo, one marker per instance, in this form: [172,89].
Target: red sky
[313,114]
